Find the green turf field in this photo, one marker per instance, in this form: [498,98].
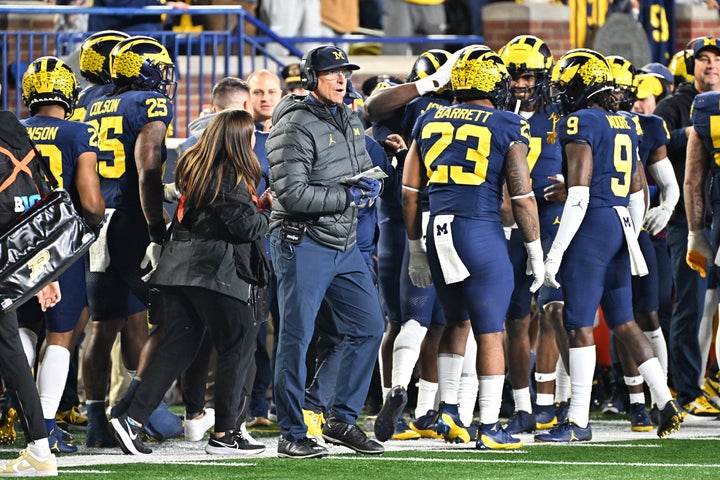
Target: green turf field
[615,453]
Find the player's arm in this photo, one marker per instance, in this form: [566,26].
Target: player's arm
[697,164]
[524,209]
[663,173]
[87,183]
[522,199]
[580,169]
[381,104]
[414,180]
[639,196]
[148,160]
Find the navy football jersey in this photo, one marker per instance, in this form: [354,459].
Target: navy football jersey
[613,138]
[705,115]
[87,96]
[654,135]
[544,158]
[417,107]
[119,119]
[463,148]
[61,142]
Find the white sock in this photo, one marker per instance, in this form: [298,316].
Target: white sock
[51,376]
[523,403]
[468,389]
[655,379]
[490,398]
[385,391]
[40,449]
[449,372]
[426,397]
[582,370]
[545,399]
[562,383]
[406,352]
[29,343]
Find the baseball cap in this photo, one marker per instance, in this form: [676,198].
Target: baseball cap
[703,43]
[659,70]
[291,75]
[330,58]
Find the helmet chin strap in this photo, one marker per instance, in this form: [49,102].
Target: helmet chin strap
[517,106]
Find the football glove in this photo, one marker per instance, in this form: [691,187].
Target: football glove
[418,267]
[698,250]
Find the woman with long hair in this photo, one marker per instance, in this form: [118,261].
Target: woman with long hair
[205,279]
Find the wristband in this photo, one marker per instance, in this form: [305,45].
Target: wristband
[156,231]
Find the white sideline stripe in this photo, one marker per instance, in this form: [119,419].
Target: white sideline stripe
[529,462]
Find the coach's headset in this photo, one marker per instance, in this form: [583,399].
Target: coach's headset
[308,75]
[690,58]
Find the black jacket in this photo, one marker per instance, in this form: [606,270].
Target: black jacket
[203,245]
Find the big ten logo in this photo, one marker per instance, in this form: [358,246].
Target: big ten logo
[24,202]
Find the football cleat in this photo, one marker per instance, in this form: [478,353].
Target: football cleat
[314,423]
[671,416]
[493,437]
[58,444]
[566,432]
[425,425]
[390,412]
[7,426]
[701,407]
[545,417]
[520,422]
[403,432]
[639,418]
[449,425]
[711,388]
[73,419]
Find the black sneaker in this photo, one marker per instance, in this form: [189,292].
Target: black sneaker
[127,433]
[349,435]
[303,448]
[232,443]
[390,413]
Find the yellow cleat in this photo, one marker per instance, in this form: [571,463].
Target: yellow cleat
[7,426]
[403,432]
[314,423]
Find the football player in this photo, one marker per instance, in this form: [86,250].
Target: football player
[596,243]
[132,122]
[462,155]
[653,156]
[95,68]
[414,332]
[529,61]
[49,90]
[701,163]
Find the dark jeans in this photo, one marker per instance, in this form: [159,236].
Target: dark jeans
[683,346]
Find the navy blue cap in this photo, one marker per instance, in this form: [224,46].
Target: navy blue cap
[703,43]
[330,58]
[660,70]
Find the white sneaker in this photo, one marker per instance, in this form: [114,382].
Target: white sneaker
[195,429]
[26,465]
[248,437]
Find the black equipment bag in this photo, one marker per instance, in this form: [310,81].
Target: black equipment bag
[41,243]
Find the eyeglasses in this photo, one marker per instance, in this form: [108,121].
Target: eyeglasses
[335,74]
